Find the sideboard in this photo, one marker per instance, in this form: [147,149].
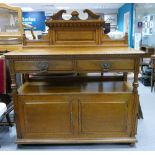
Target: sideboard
[74,109]
[58,101]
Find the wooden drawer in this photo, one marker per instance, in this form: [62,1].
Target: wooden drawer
[106,65]
[53,65]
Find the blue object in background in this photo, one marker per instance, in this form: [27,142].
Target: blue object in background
[36,19]
[128,7]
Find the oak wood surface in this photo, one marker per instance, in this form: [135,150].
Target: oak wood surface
[76,51]
[131,140]
[31,88]
[53,65]
[58,115]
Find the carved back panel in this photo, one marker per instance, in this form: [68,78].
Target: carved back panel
[75,31]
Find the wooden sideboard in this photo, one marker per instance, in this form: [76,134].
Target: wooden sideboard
[75,110]
[59,106]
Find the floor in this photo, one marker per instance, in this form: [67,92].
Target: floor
[145,136]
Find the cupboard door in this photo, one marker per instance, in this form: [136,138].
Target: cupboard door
[105,115]
[46,117]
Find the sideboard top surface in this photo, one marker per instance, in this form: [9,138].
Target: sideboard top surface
[75,51]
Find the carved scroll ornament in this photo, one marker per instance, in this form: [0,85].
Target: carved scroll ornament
[58,15]
[91,15]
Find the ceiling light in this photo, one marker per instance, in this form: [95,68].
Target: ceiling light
[63,7]
[27,9]
[48,5]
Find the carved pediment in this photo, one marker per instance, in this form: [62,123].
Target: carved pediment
[57,20]
[75,15]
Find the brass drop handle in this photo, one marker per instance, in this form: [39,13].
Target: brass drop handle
[105,67]
[42,66]
[71,118]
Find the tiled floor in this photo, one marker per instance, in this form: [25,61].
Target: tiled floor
[145,136]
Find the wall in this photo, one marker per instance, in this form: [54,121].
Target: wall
[129,7]
[142,11]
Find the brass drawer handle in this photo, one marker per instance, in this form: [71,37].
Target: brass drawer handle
[42,66]
[106,67]
[71,118]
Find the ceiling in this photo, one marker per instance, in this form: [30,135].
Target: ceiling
[51,8]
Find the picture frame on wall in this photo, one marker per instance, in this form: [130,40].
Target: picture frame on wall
[148,25]
[111,18]
[140,25]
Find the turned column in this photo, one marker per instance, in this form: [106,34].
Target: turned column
[14,96]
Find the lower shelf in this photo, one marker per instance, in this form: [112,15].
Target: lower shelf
[32,88]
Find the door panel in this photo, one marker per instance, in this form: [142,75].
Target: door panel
[46,118]
[105,115]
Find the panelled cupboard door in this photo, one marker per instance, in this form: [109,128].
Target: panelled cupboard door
[105,115]
[46,116]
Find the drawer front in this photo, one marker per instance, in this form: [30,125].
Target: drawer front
[106,65]
[53,65]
